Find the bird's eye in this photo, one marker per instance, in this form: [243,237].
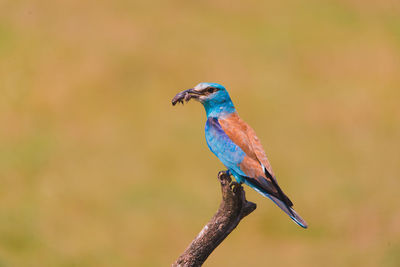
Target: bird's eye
[211,90]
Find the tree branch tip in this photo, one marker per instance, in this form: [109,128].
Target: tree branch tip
[233,208]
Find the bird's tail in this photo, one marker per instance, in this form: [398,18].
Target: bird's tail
[288,210]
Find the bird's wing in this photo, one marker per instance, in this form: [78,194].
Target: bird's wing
[255,164]
[234,155]
[230,154]
[244,136]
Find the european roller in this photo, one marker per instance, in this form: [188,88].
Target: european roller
[236,145]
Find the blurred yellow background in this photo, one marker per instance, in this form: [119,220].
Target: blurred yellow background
[98,169]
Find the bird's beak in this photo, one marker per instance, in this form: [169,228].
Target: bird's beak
[186,96]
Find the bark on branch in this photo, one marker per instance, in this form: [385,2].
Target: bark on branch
[233,208]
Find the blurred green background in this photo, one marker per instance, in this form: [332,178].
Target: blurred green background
[98,169]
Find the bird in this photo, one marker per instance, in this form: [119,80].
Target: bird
[236,145]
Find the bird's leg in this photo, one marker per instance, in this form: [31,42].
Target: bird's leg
[232,183]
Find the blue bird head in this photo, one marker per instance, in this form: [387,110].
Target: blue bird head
[214,97]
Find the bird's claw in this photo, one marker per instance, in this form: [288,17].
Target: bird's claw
[234,185]
[227,172]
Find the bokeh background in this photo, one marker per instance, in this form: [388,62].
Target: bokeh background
[98,169]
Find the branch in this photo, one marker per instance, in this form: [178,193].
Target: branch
[233,208]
